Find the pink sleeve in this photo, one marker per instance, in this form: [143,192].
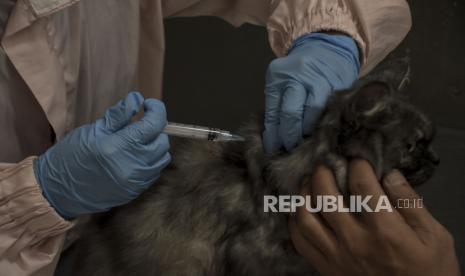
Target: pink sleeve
[378,26]
[31,232]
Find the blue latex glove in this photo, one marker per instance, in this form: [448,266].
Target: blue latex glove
[299,84]
[107,163]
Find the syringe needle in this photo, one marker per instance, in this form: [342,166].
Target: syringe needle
[231,138]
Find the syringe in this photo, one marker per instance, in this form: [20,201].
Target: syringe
[200,132]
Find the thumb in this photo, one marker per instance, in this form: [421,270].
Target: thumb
[120,115]
[317,97]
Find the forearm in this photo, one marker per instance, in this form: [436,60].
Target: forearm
[31,232]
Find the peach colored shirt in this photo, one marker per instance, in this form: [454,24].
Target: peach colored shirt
[78,57]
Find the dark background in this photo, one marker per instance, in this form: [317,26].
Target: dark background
[215,76]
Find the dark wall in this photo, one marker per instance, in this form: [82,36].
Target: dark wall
[214,73]
[436,46]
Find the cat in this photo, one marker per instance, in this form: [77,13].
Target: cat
[205,216]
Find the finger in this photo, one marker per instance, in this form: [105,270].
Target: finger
[313,228]
[324,184]
[305,248]
[314,105]
[291,115]
[407,201]
[155,171]
[143,176]
[363,182]
[150,126]
[150,153]
[270,135]
[120,115]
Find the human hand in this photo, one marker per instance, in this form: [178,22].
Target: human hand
[107,163]
[402,242]
[299,84]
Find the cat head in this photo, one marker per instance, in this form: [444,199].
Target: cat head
[376,123]
[373,122]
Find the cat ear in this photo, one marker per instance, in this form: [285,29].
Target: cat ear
[370,99]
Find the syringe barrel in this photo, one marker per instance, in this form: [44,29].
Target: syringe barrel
[192,131]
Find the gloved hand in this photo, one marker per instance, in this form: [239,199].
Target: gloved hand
[107,163]
[299,84]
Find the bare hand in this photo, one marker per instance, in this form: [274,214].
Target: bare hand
[407,241]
